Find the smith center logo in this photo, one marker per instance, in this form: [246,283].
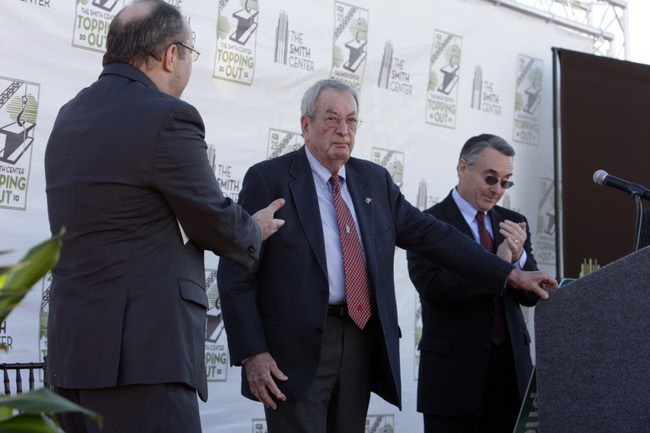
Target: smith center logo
[393,73]
[291,47]
[92,19]
[444,74]
[216,348]
[528,97]
[350,44]
[18,110]
[374,424]
[236,40]
[391,160]
[282,142]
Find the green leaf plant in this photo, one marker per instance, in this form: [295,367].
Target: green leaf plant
[31,412]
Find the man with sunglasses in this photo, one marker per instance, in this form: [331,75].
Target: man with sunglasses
[474,352]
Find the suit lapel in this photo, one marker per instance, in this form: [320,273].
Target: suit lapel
[453,216]
[305,198]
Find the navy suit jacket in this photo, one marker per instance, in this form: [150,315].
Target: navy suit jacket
[123,164]
[280,305]
[457,321]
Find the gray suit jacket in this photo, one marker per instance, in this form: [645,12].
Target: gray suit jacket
[124,162]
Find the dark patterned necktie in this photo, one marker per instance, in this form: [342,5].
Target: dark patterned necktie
[499,327]
[356,276]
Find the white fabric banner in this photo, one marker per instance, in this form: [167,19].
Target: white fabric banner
[431,73]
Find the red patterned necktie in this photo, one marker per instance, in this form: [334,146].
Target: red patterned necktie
[499,327]
[356,277]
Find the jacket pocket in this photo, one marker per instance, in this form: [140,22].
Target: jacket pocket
[190,291]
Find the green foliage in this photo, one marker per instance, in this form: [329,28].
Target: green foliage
[17,280]
[27,412]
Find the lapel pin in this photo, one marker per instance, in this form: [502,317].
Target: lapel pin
[368,200]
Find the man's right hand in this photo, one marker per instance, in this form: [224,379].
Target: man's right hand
[259,369]
[533,281]
[264,218]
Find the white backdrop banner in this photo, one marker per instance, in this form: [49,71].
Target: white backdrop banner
[431,73]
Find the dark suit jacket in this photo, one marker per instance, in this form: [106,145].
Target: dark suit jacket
[457,324]
[127,302]
[280,306]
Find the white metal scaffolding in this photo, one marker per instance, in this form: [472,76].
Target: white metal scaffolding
[604,21]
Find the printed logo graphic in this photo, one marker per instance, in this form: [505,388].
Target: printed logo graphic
[393,74]
[374,424]
[43,314]
[91,23]
[236,39]
[18,110]
[484,96]
[424,200]
[380,424]
[418,336]
[391,160]
[259,426]
[443,79]
[229,185]
[216,351]
[545,251]
[528,96]
[291,48]
[350,44]
[281,142]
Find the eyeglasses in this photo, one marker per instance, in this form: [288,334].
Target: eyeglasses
[193,53]
[353,123]
[505,184]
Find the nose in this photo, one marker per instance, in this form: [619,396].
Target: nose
[342,128]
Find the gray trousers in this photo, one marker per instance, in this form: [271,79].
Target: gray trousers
[338,400]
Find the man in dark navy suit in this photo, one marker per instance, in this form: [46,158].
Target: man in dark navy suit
[128,177]
[315,334]
[475,349]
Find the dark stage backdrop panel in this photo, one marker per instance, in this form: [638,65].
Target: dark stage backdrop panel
[602,122]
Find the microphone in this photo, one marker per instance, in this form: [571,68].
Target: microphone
[602,178]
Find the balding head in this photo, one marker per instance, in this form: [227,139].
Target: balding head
[140,33]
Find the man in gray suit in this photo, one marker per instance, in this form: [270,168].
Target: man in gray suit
[128,177]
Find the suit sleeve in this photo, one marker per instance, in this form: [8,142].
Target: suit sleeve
[443,286]
[525,298]
[238,286]
[445,246]
[187,181]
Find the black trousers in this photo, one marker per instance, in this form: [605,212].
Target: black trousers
[160,408]
[499,407]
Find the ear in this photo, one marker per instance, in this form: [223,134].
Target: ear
[462,168]
[304,123]
[170,58]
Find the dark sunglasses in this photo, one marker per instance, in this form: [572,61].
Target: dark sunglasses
[491,180]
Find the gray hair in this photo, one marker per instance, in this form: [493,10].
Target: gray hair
[475,145]
[136,39]
[308,106]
